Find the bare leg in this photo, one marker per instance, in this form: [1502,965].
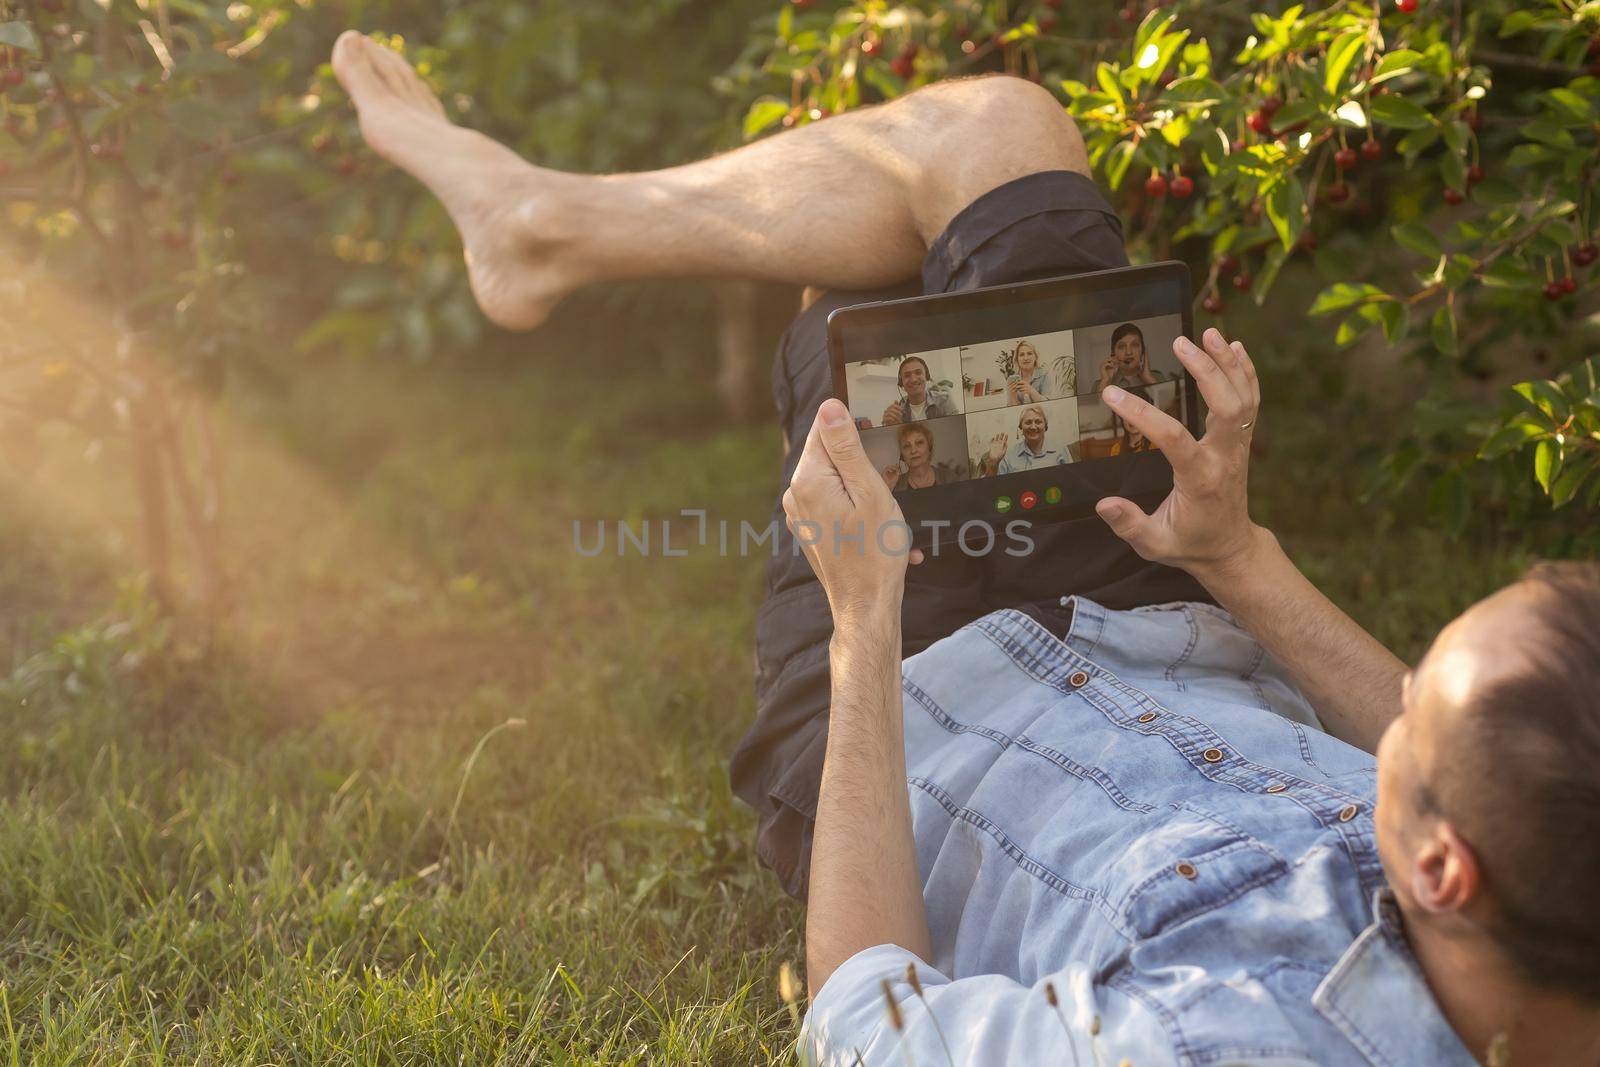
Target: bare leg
[851,202]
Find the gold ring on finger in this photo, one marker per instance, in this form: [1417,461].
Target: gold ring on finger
[1247,425]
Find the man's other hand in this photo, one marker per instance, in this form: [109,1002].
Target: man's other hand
[1204,523]
[846,519]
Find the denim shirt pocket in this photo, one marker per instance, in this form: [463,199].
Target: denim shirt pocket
[1195,862]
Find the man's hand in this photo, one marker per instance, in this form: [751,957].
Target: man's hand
[891,415]
[846,519]
[1204,523]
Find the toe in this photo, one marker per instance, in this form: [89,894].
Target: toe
[352,64]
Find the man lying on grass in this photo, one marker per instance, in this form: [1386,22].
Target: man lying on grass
[1135,820]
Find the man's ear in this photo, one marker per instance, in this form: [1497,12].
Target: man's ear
[1445,876]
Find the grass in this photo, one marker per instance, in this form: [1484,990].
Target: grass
[443,790]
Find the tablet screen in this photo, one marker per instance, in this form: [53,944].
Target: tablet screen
[986,404]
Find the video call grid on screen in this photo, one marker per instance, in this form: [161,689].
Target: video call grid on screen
[1000,404]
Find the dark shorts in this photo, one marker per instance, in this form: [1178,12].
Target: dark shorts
[1040,226]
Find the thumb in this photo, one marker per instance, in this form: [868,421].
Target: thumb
[843,442]
[1127,521]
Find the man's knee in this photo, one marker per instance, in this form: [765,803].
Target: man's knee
[1016,120]
[979,133]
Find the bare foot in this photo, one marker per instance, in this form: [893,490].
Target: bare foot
[502,204]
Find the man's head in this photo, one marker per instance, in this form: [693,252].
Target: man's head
[1489,782]
[916,444]
[1032,424]
[914,378]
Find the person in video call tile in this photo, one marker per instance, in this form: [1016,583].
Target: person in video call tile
[1128,365]
[1030,452]
[922,401]
[916,453]
[1028,383]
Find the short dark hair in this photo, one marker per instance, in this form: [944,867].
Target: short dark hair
[925,371]
[1524,784]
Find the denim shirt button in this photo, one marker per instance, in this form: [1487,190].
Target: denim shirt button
[1212,755]
[1078,680]
[1187,870]
[1348,812]
[1148,716]
[1276,787]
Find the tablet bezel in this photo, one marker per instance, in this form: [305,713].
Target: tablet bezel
[1143,477]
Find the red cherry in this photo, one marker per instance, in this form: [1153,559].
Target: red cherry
[1127,14]
[346,165]
[1474,120]
[11,77]
[1182,186]
[1474,174]
[1052,3]
[1308,241]
[1585,254]
[1237,145]
[1406,6]
[1337,194]
[1371,149]
[1228,264]
[1271,106]
[1345,158]
[1242,280]
[963,32]
[174,239]
[1453,196]
[1155,186]
[1213,304]
[1259,121]
[905,64]
[1569,284]
[1553,290]
[1047,22]
[321,143]
[871,46]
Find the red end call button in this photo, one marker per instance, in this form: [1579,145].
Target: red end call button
[1029,499]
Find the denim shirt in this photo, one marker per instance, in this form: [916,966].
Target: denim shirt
[1146,822]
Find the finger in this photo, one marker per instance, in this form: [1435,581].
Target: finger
[843,446]
[1130,523]
[1250,374]
[1225,405]
[1218,348]
[813,469]
[1168,433]
[916,556]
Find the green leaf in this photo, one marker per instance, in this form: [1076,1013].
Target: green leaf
[1396,63]
[1443,331]
[1496,192]
[1546,397]
[1398,112]
[1571,480]
[1508,439]
[1547,462]
[18,35]
[1341,54]
[763,114]
[1106,75]
[1396,318]
[1116,163]
[1417,237]
[1286,205]
[1341,295]
[1294,114]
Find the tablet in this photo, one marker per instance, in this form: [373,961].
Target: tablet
[983,407]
